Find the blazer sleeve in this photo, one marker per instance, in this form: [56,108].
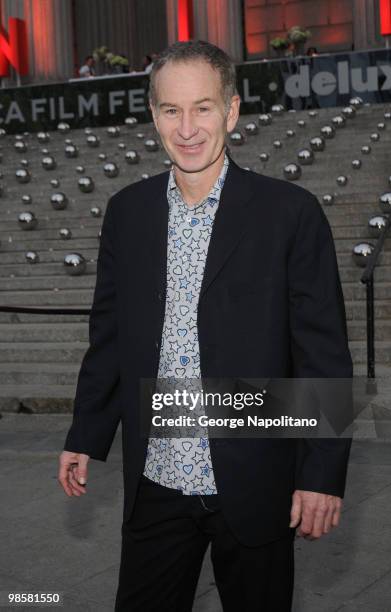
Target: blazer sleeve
[319,342]
[97,408]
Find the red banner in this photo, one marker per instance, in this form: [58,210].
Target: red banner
[14,49]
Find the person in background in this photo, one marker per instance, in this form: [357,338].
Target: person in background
[87,69]
[147,64]
[312,51]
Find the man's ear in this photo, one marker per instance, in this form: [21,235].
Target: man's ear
[233,113]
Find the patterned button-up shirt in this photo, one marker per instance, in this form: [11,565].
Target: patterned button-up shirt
[184,463]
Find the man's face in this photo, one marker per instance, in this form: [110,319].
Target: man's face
[190,114]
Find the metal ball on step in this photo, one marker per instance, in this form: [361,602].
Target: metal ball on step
[366,149]
[95,211]
[58,200]
[132,157]
[376,224]
[25,163]
[111,170]
[151,145]
[20,146]
[93,140]
[381,126]
[349,112]
[356,101]
[87,131]
[65,233]
[338,121]
[22,175]
[277,144]
[290,133]
[27,199]
[121,146]
[236,138]
[68,141]
[102,156]
[86,184]
[375,136]
[167,163]
[305,157]
[265,119]
[71,151]
[312,113]
[145,176]
[387,115]
[277,109]
[292,172]
[140,135]
[64,127]
[328,199]
[55,183]
[327,131]
[2,133]
[45,151]
[317,143]
[75,264]
[301,123]
[385,202]
[264,157]
[32,257]
[361,252]
[356,164]
[48,162]
[27,220]
[342,180]
[131,122]
[113,131]
[251,128]
[80,169]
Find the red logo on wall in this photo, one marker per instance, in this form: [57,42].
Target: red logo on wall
[13,48]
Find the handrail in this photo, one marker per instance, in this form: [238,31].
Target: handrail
[368,280]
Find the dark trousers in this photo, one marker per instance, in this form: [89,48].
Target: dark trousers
[163,546]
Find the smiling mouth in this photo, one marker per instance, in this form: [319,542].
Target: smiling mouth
[192,147]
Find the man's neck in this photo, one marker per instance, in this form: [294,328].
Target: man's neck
[195,186]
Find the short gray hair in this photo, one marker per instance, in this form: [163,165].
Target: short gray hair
[195,50]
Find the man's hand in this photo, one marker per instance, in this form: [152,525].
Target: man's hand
[72,473]
[315,513]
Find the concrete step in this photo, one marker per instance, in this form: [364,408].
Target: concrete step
[42,352]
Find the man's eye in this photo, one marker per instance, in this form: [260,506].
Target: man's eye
[171,111]
[204,109]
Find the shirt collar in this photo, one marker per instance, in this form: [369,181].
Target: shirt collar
[215,191]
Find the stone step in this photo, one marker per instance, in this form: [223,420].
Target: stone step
[42,352]
[34,374]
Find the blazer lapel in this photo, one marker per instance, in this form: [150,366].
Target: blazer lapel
[230,221]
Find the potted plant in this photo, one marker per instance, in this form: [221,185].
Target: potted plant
[280,45]
[298,36]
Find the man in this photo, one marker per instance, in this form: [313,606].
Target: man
[214,271]
[87,70]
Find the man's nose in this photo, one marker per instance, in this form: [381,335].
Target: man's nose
[187,127]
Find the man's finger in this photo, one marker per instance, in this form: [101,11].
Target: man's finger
[295,511]
[74,483]
[80,471]
[336,516]
[63,479]
[307,520]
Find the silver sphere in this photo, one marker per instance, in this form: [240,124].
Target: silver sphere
[375,136]
[292,172]
[68,141]
[376,224]
[86,184]
[305,157]
[251,128]
[145,176]
[121,146]
[277,109]
[2,133]
[75,264]
[27,220]
[80,169]
[338,121]
[151,145]
[387,115]
[64,127]
[25,163]
[22,175]
[264,157]
[113,131]
[55,183]
[301,123]
[96,211]
[389,180]
[317,143]
[366,149]
[290,133]
[265,119]
[167,163]
[71,151]
[32,257]
[27,199]
[381,126]
[131,122]
[48,162]
[312,113]
[385,202]
[349,112]
[356,101]
[327,131]
[65,233]
[102,156]
[111,170]
[342,180]
[361,252]
[132,157]
[59,200]
[20,146]
[236,138]
[45,151]
[93,140]
[277,144]
[328,199]
[356,164]
[140,135]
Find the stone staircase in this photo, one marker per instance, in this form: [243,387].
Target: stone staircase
[40,354]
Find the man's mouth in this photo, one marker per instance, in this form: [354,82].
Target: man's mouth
[190,148]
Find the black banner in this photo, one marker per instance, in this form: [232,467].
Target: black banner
[297,83]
